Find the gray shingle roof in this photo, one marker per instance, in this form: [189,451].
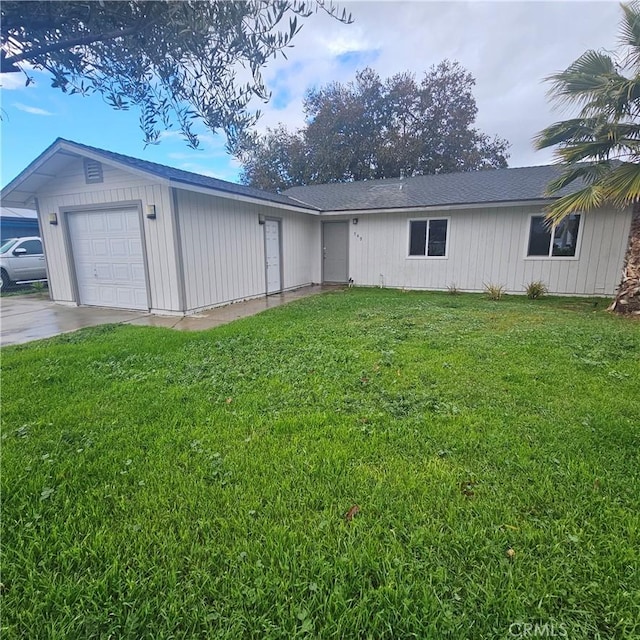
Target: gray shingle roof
[472,187]
[189,178]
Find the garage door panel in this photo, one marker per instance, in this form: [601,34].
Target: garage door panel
[108,258]
[140,299]
[131,224]
[116,223]
[101,272]
[121,273]
[105,296]
[137,273]
[119,248]
[98,247]
[95,222]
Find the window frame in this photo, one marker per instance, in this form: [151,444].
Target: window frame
[550,255]
[428,220]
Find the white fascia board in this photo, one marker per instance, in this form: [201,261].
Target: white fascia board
[21,204]
[185,186]
[440,207]
[24,175]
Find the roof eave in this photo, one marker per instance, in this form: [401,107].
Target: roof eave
[10,197]
[64,147]
[440,207]
[187,186]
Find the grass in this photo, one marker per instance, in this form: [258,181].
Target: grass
[25,289]
[159,484]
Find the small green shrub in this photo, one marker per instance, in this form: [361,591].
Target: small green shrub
[536,289]
[494,291]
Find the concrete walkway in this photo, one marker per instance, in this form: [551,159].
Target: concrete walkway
[33,316]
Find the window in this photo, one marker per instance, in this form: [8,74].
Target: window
[558,242]
[33,247]
[7,245]
[428,238]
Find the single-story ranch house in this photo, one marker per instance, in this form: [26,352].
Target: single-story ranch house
[127,233]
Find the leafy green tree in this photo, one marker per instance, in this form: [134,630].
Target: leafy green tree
[276,161]
[370,128]
[178,61]
[600,147]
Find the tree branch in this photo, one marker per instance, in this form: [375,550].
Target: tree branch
[9,62]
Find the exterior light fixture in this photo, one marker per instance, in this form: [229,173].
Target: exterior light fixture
[151,211]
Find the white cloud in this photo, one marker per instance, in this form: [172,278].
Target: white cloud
[36,111]
[509,48]
[12,81]
[344,43]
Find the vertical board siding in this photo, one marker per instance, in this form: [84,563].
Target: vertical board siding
[68,189]
[488,245]
[223,249]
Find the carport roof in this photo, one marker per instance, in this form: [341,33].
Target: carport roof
[22,188]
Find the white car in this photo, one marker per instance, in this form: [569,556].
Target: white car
[21,260]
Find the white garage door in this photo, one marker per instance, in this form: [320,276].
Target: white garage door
[108,258]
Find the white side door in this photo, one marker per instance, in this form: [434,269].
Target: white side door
[108,258]
[273,257]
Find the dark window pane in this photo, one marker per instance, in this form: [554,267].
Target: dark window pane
[418,238]
[33,247]
[565,237]
[539,237]
[437,238]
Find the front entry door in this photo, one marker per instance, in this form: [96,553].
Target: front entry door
[335,251]
[273,258]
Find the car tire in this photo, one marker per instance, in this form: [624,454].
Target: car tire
[5,281]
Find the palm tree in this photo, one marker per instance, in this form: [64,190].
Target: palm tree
[600,148]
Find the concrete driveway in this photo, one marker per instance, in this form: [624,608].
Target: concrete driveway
[33,316]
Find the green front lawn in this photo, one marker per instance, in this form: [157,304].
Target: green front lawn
[158,484]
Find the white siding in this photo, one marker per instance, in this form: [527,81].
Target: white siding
[68,189]
[223,254]
[488,246]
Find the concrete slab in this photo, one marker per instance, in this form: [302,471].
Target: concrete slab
[33,316]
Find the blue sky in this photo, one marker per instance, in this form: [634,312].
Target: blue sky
[509,47]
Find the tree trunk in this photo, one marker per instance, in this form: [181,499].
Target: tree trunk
[627,298]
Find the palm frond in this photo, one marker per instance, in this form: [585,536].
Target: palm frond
[589,151]
[630,32]
[565,131]
[607,129]
[621,186]
[587,75]
[581,139]
[587,173]
[591,197]
[621,99]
